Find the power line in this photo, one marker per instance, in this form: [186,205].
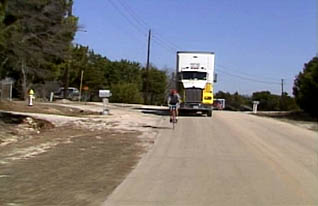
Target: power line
[124,30]
[136,26]
[134,15]
[253,78]
[248,78]
[246,74]
[142,24]
[168,42]
[163,45]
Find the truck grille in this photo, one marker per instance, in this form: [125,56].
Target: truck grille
[193,95]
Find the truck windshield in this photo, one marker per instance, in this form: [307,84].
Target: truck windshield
[194,75]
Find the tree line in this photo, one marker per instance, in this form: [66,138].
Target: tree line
[36,50]
[305,91]
[306,88]
[267,101]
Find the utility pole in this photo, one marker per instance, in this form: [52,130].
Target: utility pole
[282,104]
[69,59]
[70,9]
[317,27]
[282,87]
[147,69]
[81,84]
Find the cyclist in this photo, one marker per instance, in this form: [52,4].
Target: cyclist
[174,99]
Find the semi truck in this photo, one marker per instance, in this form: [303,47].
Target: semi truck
[194,81]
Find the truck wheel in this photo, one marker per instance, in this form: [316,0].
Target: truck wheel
[209,113]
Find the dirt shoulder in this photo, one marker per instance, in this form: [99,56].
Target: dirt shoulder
[44,108]
[53,159]
[296,118]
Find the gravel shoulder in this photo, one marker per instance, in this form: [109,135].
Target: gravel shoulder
[69,154]
[295,118]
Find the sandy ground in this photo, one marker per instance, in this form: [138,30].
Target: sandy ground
[71,155]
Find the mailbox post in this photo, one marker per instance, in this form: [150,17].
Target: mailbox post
[255,103]
[31,97]
[105,94]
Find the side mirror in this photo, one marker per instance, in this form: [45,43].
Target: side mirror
[215,80]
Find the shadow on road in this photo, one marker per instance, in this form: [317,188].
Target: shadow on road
[155,127]
[165,112]
[156,111]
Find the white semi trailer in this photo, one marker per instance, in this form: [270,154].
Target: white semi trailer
[195,78]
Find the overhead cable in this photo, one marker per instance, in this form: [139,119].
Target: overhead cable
[142,24]
[245,74]
[132,23]
[248,78]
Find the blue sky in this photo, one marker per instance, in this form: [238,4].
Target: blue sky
[256,42]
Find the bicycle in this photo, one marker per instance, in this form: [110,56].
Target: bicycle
[173,114]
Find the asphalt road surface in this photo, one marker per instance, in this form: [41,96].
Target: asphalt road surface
[230,159]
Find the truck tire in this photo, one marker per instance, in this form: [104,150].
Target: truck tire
[209,113]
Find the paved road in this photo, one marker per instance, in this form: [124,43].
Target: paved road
[231,159]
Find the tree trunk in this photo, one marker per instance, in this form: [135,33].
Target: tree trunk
[151,99]
[66,80]
[24,79]
[4,62]
[3,6]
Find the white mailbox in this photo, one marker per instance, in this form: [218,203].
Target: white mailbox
[255,103]
[104,93]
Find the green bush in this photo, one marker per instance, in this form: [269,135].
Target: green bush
[126,93]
